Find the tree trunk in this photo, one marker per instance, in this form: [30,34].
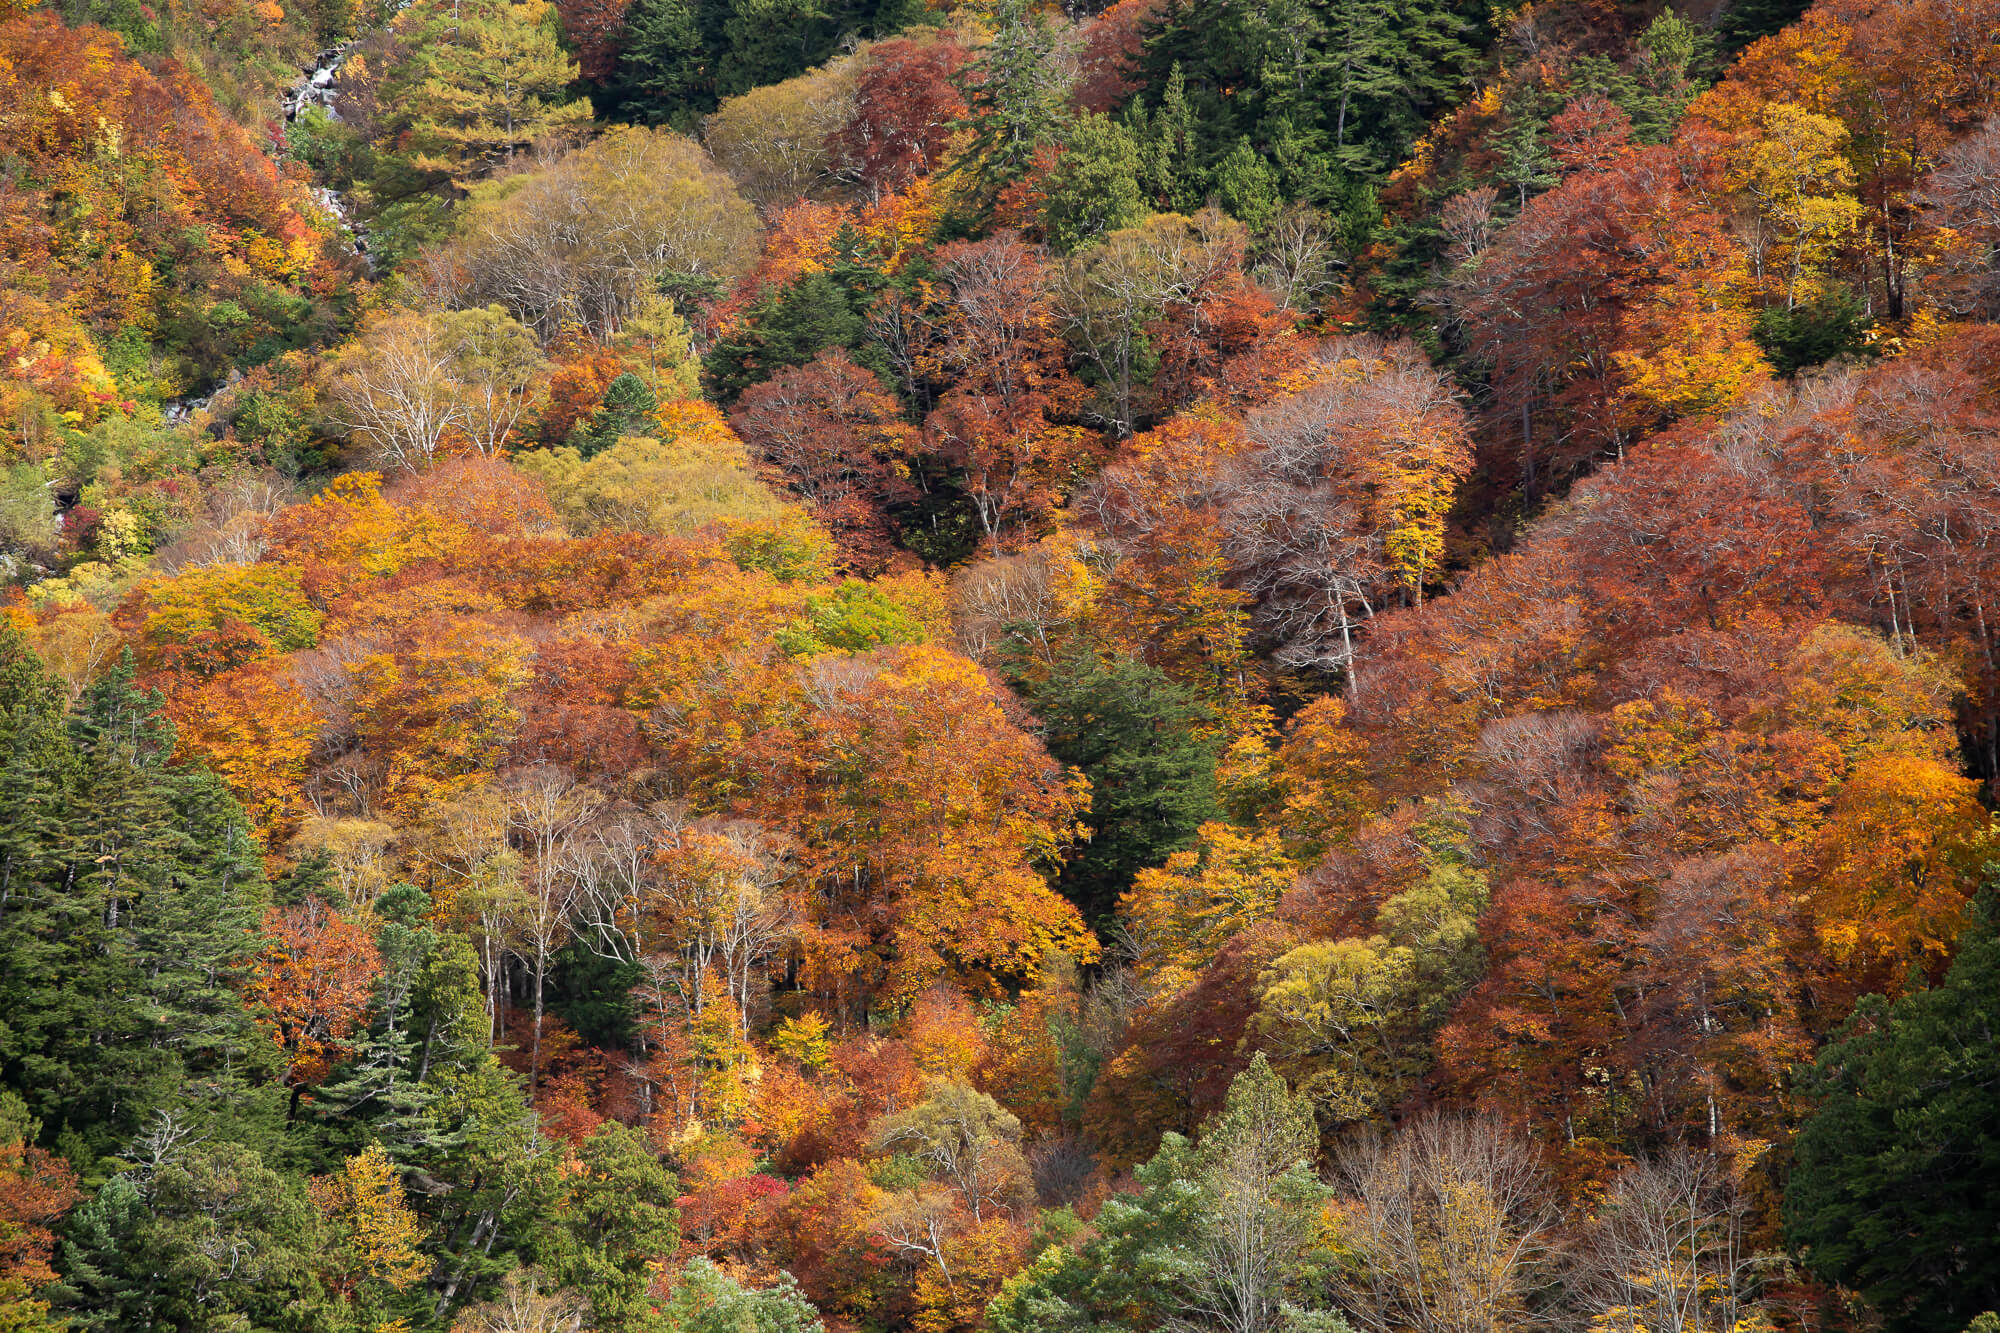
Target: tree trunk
[535,1044]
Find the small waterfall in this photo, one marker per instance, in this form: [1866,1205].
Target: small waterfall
[178,410]
[320,84]
[320,87]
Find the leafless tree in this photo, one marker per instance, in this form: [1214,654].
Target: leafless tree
[1015,594]
[1535,767]
[775,140]
[524,1305]
[611,867]
[1295,261]
[682,900]
[1311,563]
[1963,195]
[547,811]
[581,237]
[1454,1223]
[231,530]
[466,839]
[1063,1169]
[1260,1216]
[1337,509]
[413,380]
[920,1224]
[1106,295]
[1667,1251]
[393,390]
[1468,219]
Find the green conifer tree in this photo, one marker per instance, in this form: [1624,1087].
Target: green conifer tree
[627,409]
[1016,94]
[131,910]
[1892,1193]
[1094,188]
[616,1215]
[1147,746]
[490,78]
[665,73]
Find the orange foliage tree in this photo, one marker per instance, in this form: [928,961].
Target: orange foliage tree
[312,986]
[1002,423]
[36,1189]
[1618,301]
[829,432]
[906,102]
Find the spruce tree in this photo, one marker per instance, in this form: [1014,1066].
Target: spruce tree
[769,41]
[198,1237]
[1247,187]
[1326,89]
[665,73]
[617,1214]
[1146,745]
[36,767]
[134,892]
[380,1091]
[1893,1188]
[790,327]
[1748,21]
[1526,163]
[627,409]
[1168,147]
[1016,96]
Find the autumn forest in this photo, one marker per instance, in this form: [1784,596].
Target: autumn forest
[999,666]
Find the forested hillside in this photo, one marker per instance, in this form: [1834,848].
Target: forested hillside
[861,666]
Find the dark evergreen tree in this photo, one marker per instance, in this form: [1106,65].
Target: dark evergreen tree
[131,907]
[769,41]
[1834,323]
[592,995]
[678,58]
[616,1216]
[36,769]
[787,327]
[1327,90]
[1527,165]
[666,70]
[791,325]
[1895,1191]
[1672,67]
[480,1173]
[1016,96]
[1748,21]
[627,409]
[1169,147]
[195,1237]
[1147,746]
[1247,186]
[381,1090]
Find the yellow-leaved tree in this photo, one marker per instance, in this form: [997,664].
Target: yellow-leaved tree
[375,1237]
[1898,860]
[1794,169]
[1182,913]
